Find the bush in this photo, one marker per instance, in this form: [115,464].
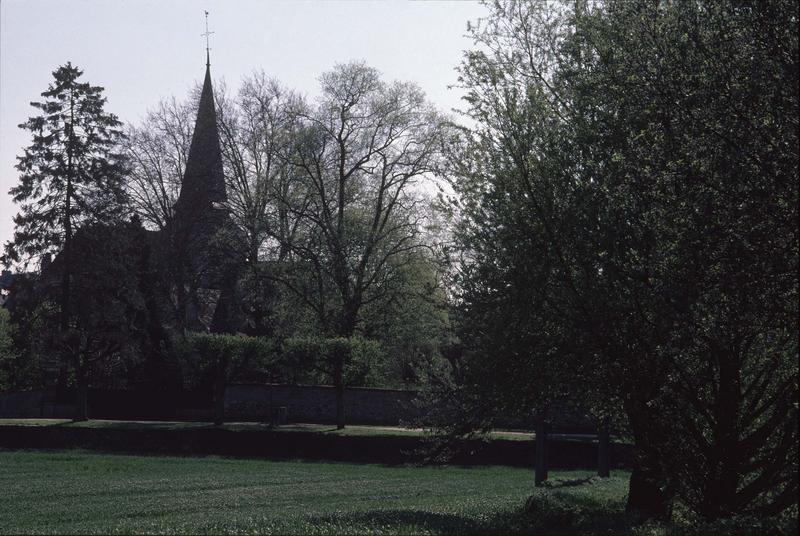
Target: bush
[205,355]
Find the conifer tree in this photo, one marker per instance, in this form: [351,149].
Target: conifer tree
[70,176]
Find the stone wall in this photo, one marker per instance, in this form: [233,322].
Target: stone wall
[255,402]
[37,404]
[317,404]
[250,402]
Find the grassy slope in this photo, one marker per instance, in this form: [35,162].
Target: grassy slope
[75,491]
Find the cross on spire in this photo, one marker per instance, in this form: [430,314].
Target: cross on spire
[206,35]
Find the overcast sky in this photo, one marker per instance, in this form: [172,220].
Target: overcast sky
[144,50]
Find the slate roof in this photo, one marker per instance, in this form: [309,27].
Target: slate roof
[204,181]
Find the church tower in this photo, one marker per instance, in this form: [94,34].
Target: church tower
[202,235]
[203,187]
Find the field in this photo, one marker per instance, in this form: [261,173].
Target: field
[82,492]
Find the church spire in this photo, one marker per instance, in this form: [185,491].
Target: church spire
[203,184]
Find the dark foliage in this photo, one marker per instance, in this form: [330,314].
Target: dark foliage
[70,174]
[629,233]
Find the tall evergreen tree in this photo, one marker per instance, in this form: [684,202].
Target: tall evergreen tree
[70,176]
[71,173]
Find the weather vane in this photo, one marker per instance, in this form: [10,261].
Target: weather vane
[206,35]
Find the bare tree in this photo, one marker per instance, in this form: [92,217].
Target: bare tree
[255,130]
[158,149]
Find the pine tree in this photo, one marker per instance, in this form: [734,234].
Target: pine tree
[71,176]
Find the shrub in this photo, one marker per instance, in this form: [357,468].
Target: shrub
[208,355]
[318,354]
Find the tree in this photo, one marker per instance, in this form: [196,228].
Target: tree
[358,152]
[345,361]
[157,150]
[8,355]
[256,129]
[412,325]
[629,203]
[70,176]
[223,357]
[110,315]
[27,360]
[71,173]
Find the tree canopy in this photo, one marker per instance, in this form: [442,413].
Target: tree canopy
[629,233]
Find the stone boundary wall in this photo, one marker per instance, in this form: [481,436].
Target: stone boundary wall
[246,402]
[276,444]
[38,404]
[255,403]
[317,404]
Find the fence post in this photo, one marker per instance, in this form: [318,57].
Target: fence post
[603,444]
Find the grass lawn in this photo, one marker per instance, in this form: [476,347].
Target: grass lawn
[83,492]
[350,430]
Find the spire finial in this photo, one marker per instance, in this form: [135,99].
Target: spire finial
[206,35]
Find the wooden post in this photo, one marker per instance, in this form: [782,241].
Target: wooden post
[541,451]
[603,448]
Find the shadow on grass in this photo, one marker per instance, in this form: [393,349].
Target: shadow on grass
[541,515]
[568,482]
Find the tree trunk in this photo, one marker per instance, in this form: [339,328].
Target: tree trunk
[347,325]
[66,269]
[542,444]
[603,448]
[725,461]
[338,383]
[82,392]
[219,399]
[340,420]
[647,491]
[646,498]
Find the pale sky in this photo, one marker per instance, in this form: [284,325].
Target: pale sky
[142,51]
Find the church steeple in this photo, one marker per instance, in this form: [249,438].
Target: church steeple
[203,182]
[205,269]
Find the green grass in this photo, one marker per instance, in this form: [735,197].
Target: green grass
[350,430]
[82,492]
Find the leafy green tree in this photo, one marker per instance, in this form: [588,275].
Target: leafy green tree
[28,361]
[111,324]
[629,203]
[342,361]
[223,358]
[412,326]
[700,190]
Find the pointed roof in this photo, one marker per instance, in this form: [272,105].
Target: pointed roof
[203,181]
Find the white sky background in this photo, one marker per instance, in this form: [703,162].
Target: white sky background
[142,51]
